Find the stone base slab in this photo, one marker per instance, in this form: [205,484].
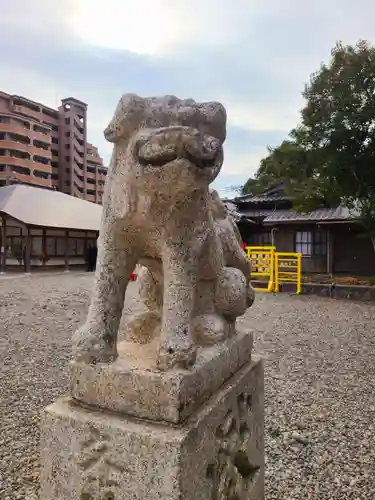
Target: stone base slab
[133,386]
[217,454]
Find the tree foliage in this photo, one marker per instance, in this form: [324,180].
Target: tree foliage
[287,161]
[290,163]
[331,154]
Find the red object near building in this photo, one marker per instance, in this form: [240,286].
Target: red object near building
[133,276]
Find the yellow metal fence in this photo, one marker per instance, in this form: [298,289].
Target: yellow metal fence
[263,265]
[276,267]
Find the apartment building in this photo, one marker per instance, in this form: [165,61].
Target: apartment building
[48,148]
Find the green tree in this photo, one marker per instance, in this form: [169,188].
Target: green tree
[331,155]
[338,129]
[288,162]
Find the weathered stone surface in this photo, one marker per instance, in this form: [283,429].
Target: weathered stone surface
[158,211]
[134,386]
[176,411]
[215,455]
[218,302]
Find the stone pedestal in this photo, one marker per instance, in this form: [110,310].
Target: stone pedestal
[132,385]
[200,436]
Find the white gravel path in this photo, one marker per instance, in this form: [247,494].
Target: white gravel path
[320,385]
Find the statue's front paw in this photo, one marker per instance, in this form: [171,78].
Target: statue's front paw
[91,347]
[176,354]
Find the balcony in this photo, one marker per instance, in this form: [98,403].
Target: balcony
[94,159]
[54,134]
[15,146]
[25,148]
[78,146]
[91,197]
[21,162]
[29,179]
[25,111]
[78,181]
[25,132]
[79,125]
[42,145]
[15,129]
[41,136]
[77,170]
[78,154]
[90,175]
[78,161]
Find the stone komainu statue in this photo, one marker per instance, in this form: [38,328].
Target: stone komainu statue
[158,211]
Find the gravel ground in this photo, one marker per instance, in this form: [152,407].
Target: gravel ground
[320,378]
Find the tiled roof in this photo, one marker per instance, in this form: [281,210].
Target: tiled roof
[230,205]
[322,214]
[261,198]
[233,210]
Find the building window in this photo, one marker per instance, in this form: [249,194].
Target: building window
[51,247]
[15,247]
[73,247]
[60,247]
[304,242]
[320,242]
[310,243]
[36,246]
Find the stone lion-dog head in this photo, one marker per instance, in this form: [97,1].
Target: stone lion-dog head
[170,145]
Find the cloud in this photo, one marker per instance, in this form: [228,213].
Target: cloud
[236,163]
[253,56]
[254,116]
[159,27]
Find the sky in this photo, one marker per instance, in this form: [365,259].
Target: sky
[253,56]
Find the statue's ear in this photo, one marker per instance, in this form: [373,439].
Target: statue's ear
[127,118]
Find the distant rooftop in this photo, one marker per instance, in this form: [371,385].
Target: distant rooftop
[260,198]
[48,208]
[276,192]
[322,214]
[247,206]
[74,99]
